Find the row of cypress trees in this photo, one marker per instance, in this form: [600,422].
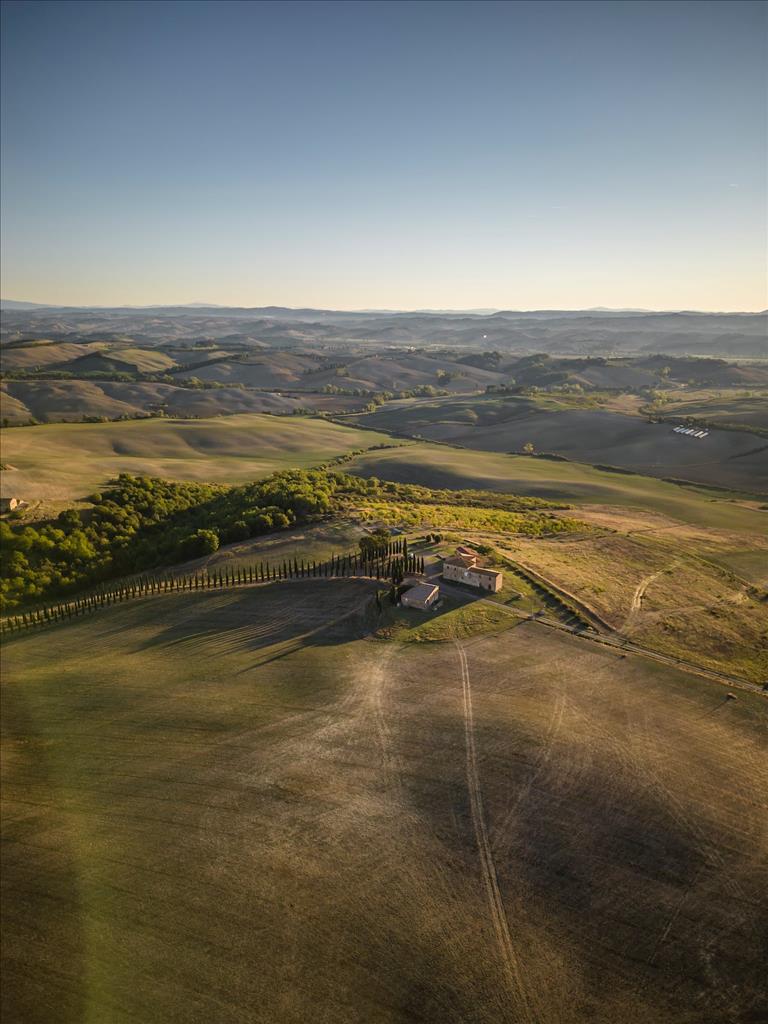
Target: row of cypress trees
[390,562]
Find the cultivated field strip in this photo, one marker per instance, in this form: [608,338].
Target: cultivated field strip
[277,828]
[517,987]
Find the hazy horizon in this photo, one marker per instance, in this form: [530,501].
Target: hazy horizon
[386,155]
[488,311]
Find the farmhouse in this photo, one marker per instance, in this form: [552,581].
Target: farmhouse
[9,504]
[422,596]
[463,568]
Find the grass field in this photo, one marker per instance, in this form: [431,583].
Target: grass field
[66,461]
[656,590]
[745,408]
[462,517]
[441,466]
[237,806]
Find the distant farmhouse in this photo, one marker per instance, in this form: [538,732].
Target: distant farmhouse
[421,596]
[9,504]
[463,568]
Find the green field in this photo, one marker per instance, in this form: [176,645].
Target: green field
[240,806]
[66,461]
[61,463]
[442,466]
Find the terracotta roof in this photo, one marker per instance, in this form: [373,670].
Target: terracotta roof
[465,561]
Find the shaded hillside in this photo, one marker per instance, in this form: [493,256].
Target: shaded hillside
[724,458]
[74,400]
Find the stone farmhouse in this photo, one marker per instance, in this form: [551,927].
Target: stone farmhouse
[463,568]
[421,596]
[9,504]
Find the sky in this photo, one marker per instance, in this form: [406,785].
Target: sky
[385,155]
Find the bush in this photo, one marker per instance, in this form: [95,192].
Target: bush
[237,531]
[202,542]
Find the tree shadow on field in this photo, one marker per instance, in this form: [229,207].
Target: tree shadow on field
[645,888]
[276,618]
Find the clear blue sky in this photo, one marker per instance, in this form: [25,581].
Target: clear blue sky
[401,155]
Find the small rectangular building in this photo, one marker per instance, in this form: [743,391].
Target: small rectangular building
[464,569]
[9,504]
[422,596]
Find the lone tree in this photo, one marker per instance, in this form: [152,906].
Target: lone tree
[529,448]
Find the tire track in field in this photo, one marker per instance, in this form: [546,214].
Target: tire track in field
[375,685]
[509,956]
[539,765]
[639,594]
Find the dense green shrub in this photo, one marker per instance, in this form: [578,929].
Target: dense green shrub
[139,523]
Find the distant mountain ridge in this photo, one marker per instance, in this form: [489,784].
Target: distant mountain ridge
[301,312]
[584,332]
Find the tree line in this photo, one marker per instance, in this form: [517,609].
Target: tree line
[391,561]
[139,524]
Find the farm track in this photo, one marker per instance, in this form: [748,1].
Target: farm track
[637,597]
[578,607]
[610,637]
[507,950]
[245,827]
[621,643]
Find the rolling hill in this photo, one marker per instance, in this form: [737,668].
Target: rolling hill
[66,461]
[735,459]
[567,332]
